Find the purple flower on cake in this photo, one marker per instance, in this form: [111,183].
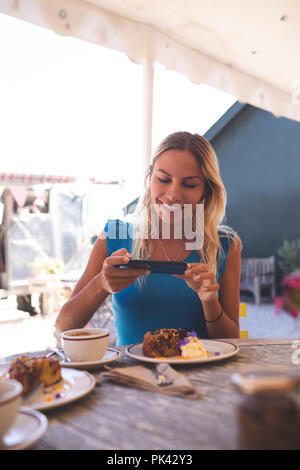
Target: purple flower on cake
[192,333]
[186,340]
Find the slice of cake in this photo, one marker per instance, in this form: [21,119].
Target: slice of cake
[168,342]
[163,342]
[35,371]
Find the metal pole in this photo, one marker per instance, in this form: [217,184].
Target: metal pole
[148,78]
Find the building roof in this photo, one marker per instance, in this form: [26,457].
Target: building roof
[224,120]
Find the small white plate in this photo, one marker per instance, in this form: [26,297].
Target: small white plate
[74,385]
[217,350]
[110,356]
[28,428]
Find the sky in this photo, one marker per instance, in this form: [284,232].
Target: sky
[69,107]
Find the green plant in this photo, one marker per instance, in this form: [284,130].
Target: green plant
[289,253]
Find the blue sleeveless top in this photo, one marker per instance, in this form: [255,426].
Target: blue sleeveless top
[162,301]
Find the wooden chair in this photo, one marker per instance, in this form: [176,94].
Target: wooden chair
[257,273]
[243,313]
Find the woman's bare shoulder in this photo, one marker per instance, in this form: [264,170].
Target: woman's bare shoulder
[234,255]
[230,240]
[236,243]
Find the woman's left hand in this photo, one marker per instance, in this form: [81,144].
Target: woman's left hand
[200,279]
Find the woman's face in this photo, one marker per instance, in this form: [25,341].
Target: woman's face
[176,180]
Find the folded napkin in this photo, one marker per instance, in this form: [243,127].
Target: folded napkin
[162,380]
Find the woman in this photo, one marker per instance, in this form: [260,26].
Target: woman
[183,173]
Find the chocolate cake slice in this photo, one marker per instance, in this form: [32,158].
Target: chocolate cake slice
[32,372]
[163,342]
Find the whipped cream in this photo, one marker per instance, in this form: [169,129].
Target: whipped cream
[193,348]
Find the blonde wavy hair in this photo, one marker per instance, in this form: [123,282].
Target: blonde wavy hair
[215,198]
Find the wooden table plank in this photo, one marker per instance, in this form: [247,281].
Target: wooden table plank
[114,417]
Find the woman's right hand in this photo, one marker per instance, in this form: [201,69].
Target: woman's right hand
[113,278]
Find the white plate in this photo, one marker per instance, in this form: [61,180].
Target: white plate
[74,385]
[28,428]
[217,349]
[110,356]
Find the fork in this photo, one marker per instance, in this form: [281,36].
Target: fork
[164,375]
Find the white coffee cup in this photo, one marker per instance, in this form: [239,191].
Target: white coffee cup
[85,344]
[10,401]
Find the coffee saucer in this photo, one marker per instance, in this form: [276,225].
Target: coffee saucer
[110,356]
[29,426]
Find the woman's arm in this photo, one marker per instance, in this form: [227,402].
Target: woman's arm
[229,298]
[203,281]
[88,293]
[100,278]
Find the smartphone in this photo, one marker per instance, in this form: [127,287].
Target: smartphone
[157,267]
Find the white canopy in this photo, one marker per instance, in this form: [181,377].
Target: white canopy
[248,49]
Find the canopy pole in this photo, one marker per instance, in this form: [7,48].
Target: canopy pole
[148,79]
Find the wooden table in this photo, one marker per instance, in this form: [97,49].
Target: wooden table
[115,417]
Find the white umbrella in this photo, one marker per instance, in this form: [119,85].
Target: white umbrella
[248,49]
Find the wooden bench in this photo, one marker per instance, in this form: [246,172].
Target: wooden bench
[257,273]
